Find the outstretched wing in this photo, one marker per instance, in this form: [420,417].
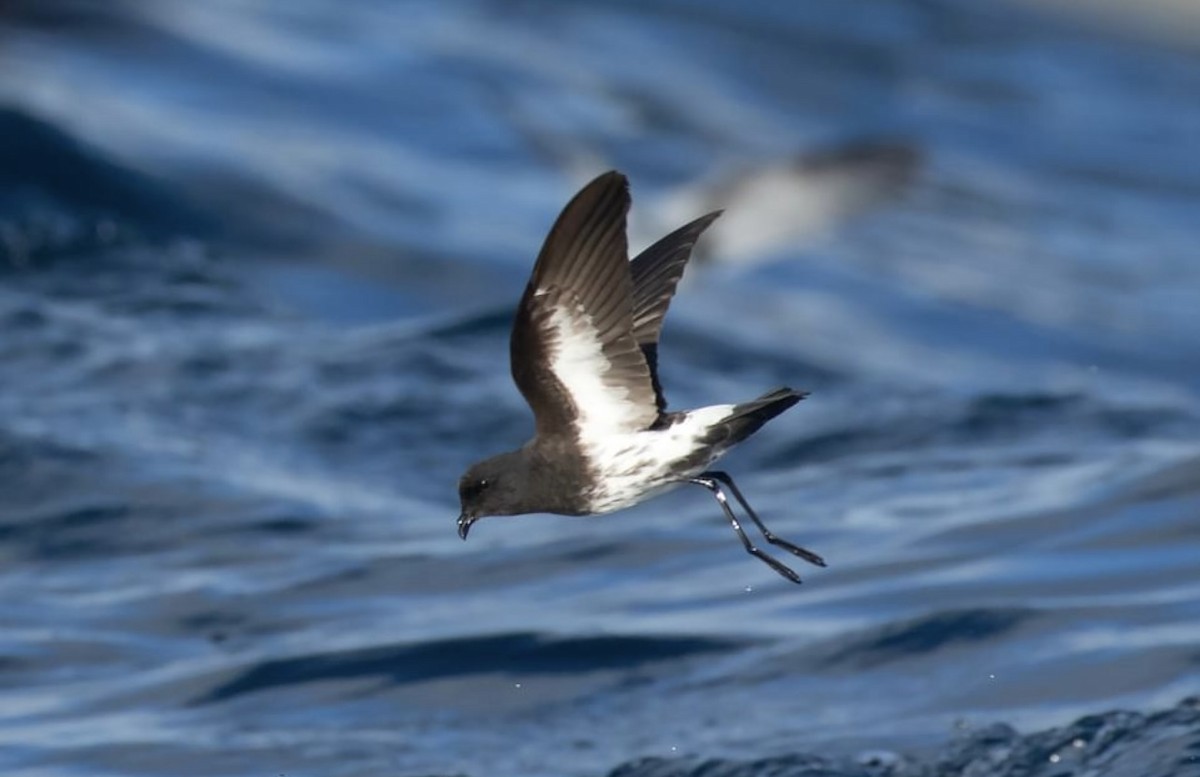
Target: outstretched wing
[574,355]
[656,272]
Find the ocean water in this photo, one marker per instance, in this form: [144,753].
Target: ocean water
[257,267]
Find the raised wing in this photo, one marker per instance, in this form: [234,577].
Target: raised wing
[574,355]
[656,272]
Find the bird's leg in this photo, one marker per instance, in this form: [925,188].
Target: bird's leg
[712,485]
[771,537]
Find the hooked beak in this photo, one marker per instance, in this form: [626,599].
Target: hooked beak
[464,524]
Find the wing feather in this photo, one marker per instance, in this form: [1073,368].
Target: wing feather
[656,273]
[574,356]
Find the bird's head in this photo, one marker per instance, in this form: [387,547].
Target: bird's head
[490,487]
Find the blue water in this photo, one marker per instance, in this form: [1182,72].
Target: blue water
[256,267]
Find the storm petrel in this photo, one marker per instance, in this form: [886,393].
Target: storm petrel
[584,354]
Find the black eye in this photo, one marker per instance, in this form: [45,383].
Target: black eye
[477,488]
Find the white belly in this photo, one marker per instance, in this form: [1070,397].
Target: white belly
[634,467]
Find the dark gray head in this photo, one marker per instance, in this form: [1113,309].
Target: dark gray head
[495,486]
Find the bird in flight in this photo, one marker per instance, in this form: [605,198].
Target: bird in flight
[584,353]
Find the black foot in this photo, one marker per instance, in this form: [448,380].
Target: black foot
[712,481]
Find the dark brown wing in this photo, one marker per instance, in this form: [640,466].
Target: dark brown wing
[656,272]
[574,356]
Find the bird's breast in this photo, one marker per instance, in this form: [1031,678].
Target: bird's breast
[628,469]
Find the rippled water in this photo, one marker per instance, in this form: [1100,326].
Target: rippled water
[258,263]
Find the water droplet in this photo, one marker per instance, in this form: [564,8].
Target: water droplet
[749,589]
[1055,758]
[516,685]
[991,677]
[1077,743]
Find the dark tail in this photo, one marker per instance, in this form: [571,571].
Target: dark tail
[747,418]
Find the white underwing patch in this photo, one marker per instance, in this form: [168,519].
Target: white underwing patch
[578,361]
[629,461]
